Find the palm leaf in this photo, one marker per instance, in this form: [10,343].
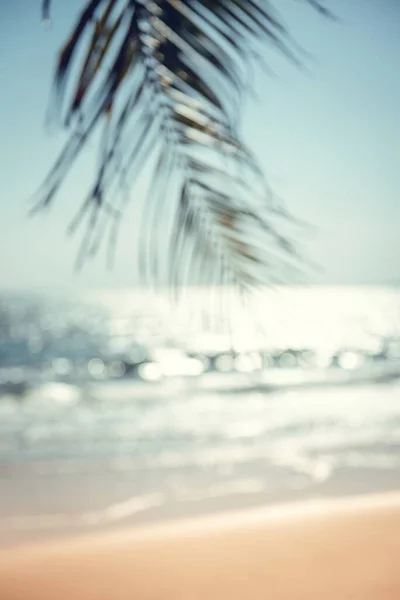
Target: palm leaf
[165,78]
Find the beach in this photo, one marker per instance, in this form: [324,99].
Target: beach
[138,465]
[336,550]
[128,463]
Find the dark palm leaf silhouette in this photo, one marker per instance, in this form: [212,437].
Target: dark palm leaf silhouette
[165,78]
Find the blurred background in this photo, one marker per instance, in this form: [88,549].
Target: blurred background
[119,405]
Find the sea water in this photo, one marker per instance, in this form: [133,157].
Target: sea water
[124,403]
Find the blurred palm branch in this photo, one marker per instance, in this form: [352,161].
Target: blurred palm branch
[164,80]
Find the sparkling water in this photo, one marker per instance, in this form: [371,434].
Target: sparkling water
[119,403]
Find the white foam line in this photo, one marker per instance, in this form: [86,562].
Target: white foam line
[112,513]
[277,513]
[274,514]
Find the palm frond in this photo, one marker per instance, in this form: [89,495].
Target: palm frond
[165,78]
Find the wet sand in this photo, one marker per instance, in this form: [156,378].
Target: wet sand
[336,550]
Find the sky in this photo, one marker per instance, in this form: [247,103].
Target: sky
[327,137]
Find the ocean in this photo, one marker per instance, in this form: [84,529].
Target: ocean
[128,406]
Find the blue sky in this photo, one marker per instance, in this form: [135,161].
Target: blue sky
[328,138]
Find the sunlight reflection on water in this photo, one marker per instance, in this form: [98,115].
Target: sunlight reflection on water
[118,397]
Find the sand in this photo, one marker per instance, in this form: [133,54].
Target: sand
[346,549]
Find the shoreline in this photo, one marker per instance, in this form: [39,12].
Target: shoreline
[146,512]
[331,549]
[149,510]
